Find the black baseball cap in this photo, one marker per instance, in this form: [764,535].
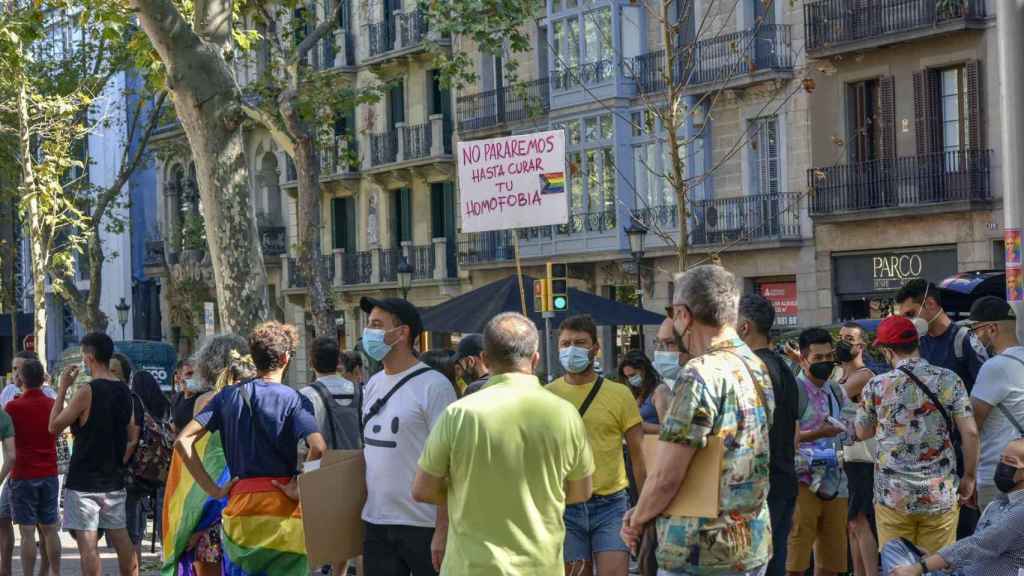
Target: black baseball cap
[470,345]
[406,313]
[990,309]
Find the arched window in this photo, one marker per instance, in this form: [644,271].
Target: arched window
[270,191]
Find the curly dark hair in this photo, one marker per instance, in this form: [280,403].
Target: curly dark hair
[637,360]
[269,342]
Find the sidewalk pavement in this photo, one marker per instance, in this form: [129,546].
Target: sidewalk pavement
[70,565]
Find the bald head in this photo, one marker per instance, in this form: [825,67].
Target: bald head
[510,344]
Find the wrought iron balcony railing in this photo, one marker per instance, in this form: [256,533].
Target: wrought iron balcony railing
[756,217]
[273,240]
[834,23]
[952,176]
[503,105]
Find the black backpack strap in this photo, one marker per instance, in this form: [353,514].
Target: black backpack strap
[325,397]
[379,404]
[590,397]
[931,396]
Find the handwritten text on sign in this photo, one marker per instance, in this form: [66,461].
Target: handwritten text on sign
[513,182]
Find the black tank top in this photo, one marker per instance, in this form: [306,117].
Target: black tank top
[98,452]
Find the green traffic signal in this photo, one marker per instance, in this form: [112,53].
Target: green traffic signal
[560,303]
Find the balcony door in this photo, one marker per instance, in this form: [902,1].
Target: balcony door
[762,210]
[401,217]
[442,219]
[344,224]
[764,34]
[871,137]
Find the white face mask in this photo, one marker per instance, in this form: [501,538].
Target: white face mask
[920,324]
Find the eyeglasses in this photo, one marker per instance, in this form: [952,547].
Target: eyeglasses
[975,328]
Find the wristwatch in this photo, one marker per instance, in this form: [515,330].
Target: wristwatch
[924,566]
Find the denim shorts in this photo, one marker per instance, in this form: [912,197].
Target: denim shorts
[5,501]
[35,501]
[593,526]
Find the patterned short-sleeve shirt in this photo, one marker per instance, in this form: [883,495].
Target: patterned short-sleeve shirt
[916,470]
[714,396]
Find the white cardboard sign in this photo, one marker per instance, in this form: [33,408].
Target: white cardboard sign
[513,182]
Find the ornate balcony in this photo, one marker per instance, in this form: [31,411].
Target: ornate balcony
[505,105]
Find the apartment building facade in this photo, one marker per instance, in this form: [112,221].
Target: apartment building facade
[905,129]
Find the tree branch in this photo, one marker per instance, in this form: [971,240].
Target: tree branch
[165,26]
[268,121]
[321,30]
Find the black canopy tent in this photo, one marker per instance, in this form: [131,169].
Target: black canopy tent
[472,310]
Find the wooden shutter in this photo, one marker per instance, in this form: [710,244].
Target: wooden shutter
[855,124]
[887,117]
[437,210]
[927,125]
[972,73]
[405,202]
[338,223]
[350,225]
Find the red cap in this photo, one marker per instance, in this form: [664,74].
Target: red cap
[894,331]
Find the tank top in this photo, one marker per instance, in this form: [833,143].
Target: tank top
[97,458]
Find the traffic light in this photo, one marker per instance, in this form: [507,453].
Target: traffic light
[540,295]
[558,287]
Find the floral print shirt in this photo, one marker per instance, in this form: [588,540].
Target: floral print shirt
[822,402]
[916,469]
[725,392]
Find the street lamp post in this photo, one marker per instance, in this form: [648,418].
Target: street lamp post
[636,232]
[122,314]
[404,277]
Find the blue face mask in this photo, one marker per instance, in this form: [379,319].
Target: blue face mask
[636,380]
[374,345]
[574,359]
[667,365]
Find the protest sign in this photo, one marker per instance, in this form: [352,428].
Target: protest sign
[332,496]
[513,182]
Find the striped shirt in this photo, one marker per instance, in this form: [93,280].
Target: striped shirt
[997,546]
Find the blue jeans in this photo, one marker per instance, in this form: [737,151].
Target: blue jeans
[35,501]
[781,512]
[593,527]
[755,572]
[900,552]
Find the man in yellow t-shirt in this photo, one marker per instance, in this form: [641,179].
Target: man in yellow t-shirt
[506,459]
[592,528]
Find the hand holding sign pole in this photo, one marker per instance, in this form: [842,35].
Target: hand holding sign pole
[513,182]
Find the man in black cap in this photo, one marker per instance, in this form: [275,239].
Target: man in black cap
[469,364]
[997,397]
[400,405]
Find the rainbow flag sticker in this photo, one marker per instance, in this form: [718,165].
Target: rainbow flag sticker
[552,183]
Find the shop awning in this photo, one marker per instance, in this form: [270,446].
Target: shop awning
[472,310]
[959,291]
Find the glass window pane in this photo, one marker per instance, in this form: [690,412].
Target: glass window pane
[575,182]
[572,49]
[590,129]
[949,81]
[573,129]
[636,120]
[593,182]
[609,180]
[556,5]
[607,131]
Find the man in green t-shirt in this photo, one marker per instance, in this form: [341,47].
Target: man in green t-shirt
[7,529]
[490,443]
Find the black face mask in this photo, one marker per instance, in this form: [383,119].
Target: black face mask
[844,351]
[822,370]
[1004,477]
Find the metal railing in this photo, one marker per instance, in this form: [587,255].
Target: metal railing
[423,262]
[295,277]
[356,268]
[484,247]
[417,140]
[383,147]
[273,240]
[414,28]
[952,176]
[328,50]
[585,73]
[339,155]
[514,103]
[829,23]
[716,60]
[390,258]
[744,218]
[381,35]
[154,254]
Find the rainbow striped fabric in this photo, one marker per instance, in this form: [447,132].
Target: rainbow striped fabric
[552,183]
[187,508]
[262,531]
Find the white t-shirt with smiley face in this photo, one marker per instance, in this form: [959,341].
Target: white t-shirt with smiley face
[394,440]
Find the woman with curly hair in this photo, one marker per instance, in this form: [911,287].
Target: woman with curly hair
[192,519]
[261,422]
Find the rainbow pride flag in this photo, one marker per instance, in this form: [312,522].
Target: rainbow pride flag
[552,183]
[262,531]
[187,508]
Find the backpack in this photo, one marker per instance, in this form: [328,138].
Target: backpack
[152,458]
[343,430]
[963,333]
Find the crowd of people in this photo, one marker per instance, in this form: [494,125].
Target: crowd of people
[904,453]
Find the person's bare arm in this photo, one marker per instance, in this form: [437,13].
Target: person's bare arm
[185,446]
[854,385]
[62,416]
[981,412]
[577,491]
[971,447]
[317,446]
[9,458]
[662,398]
[864,433]
[672,463]
[133,438]
[429,489]
[635,443]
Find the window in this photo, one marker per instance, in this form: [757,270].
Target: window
[594,48]
[344,223]
[764,155]
[401,216]
[862,125]
[953,105]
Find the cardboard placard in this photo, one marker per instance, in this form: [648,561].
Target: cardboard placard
[698,497]
[332,506]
